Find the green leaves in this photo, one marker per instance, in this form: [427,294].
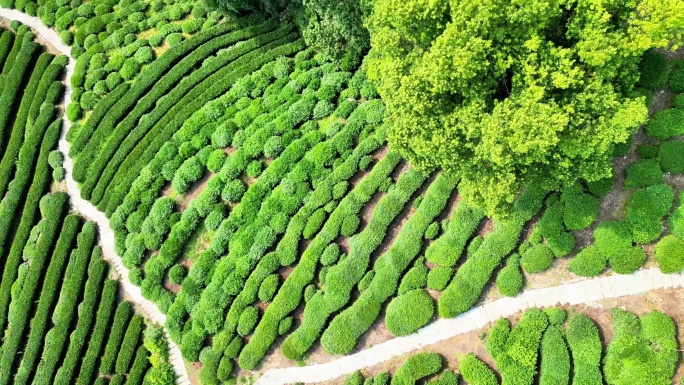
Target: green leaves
[505,95]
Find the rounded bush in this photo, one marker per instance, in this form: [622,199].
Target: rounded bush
[177,273]
[268,288]
[144,55]
[130,69]
[330,255]
[88,100]
[216,160]
[409,312]
[677,77]
[588,263]
[537,259]
[323,109]
[113,80]
[58,174]
[669,253]
[285,325]
[665,124]
[432,231]
[628,261]
[439,277]
[273,147]
[580,209]
[254,168]
[671,156]
[556,315]
[248,320]
[510,280]
[349,225]
[233,191]
[642,173]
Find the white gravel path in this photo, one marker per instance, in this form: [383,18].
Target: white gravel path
[148,308]
[586,291]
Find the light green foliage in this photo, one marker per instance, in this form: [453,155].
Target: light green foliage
[676,219]
[556,315]
[510,280]
[669,253]
[439,277]
[642,351]
[580,209]
[536,259]
[555,358]
[506,105]
[589,262]
[642,173]
[585,348]
[476,372]
[409,312]
[355,379]
[515,351]
[415,278]
[416,367]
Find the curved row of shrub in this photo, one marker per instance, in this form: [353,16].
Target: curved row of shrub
[537,350]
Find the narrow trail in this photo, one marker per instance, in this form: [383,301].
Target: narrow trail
[148,308]
[571,294]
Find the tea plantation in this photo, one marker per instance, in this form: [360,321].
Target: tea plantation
[269,194]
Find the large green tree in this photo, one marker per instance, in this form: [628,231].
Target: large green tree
[510,92]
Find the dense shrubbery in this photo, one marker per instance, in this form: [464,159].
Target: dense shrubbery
[409,312]
[585,347]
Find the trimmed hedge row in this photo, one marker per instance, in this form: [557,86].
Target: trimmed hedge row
[641,350]
[208,90]
[346,328]
[166,90]
[341,278]
[20,121]
[12,83]
[6,40]
[99,331]
[66,308]
[476,372]
[129,344]
[86,315]
[10,206]
[466,287]
[555,358]
[28,280]
[48,296]
[515,351]
[447,249]
[416,367]
[585,346]
[113,107]
[409,312]
[290,294]
[117,331]
[140,365]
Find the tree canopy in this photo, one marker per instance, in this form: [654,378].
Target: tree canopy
[507,93]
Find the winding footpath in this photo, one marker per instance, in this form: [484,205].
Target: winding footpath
[148,308]
[589,290]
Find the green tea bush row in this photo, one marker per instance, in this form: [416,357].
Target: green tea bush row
[466,287]
[515,350]
[117,331]
[217,84]
[128,134]
[510,280]
[641,350]
[555,358]
[64,311]
[409,312]
[290,294]
[39,175]
[552,228]
[129,344]
[139,368]
[447,249]
[50,289]
[9,97]
[6,40]
[585,347]
[98,335]
[416,367]
[87,311]
[153,85]
[26,285]
[342,277]
[20,120]
[347,327]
